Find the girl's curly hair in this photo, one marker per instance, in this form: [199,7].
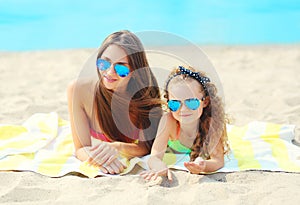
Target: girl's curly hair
[212,124]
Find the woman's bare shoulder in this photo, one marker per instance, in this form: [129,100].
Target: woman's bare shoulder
[83,87]
[81,93]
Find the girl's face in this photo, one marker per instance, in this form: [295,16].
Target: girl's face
[114,55]
[182,90]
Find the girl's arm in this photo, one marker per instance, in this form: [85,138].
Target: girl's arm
[161,142]
[155,163]
[215,162]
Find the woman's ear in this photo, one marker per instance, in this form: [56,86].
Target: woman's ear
[206,101]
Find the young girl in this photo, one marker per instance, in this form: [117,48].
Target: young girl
[195,125]
[120,108]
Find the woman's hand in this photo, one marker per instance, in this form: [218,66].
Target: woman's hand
[105,157]
[115,167]
[196,166]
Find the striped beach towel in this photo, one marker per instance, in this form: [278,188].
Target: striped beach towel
[43,144]
[255,146]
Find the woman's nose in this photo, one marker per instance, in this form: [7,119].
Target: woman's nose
[111,70]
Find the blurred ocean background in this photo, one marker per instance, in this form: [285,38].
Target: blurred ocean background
[67,24]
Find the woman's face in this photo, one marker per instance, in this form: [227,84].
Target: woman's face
[114,55]
[182,90]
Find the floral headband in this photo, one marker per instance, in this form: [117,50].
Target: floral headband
[196,75]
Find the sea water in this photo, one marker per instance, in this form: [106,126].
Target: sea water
[65,24]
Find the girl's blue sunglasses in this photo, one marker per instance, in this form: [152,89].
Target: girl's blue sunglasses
[120,69]
[191,103]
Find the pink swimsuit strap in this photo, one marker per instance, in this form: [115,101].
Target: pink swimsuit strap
[99,136]
[102,137]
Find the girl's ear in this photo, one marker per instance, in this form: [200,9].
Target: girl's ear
[206,101]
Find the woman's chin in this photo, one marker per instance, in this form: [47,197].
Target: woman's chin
[110,86]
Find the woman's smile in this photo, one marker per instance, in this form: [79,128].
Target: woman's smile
[109,79]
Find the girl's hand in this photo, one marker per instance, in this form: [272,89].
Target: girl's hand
[196,166]
[157,168]
[105,157]
[152,174]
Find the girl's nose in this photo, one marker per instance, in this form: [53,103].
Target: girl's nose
[183,107]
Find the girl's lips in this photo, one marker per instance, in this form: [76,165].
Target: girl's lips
[110,80]
[185,115]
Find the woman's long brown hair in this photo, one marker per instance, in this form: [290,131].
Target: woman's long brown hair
[121,122]
[212,123]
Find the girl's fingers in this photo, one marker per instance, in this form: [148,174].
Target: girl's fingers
[188,166]
[169,175]
[162,172]
[155,176]
[198,160]
[150,175]
[193,168]
[145,174]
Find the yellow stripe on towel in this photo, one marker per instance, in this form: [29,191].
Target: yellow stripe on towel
[278,147]
[13,162]
[11,131]
[90,171]
[20,143]
[53,161]
[242,149]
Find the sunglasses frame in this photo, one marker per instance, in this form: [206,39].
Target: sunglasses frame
[115,66]
[186,104]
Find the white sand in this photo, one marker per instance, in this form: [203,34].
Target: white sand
[259,82]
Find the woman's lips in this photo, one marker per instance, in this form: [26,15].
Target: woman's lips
[109,80]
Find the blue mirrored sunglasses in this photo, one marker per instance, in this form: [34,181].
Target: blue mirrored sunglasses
[120,69]
[191,103]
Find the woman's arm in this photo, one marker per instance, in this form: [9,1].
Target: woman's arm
[104,155]
[130,150]
[78,121]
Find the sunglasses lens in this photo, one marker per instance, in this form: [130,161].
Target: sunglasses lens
[102,64]
[174,105]
[192,103]
[121,70]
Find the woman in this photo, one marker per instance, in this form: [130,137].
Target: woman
[121,108]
